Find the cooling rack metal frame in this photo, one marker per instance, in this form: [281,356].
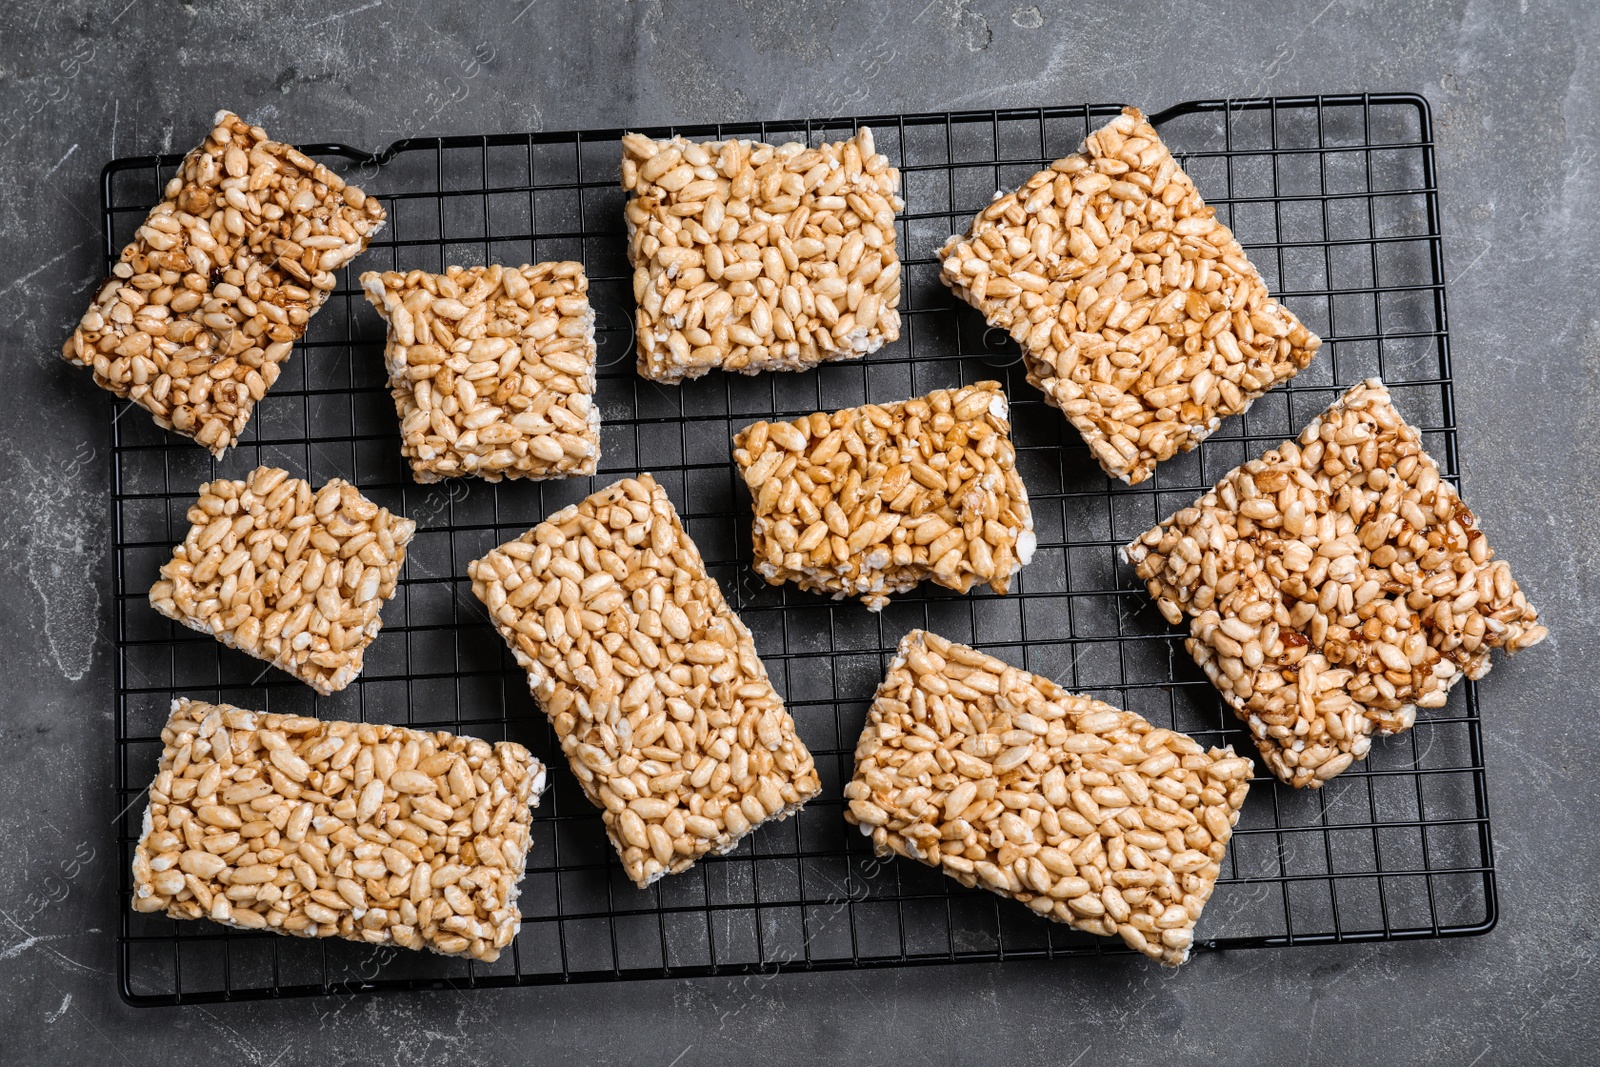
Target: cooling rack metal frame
[1335,198]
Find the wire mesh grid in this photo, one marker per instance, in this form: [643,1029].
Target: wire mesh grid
[1336,201]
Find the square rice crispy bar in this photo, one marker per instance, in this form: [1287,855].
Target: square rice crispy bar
[1138,314]
[751,257]
[1334,586]
[286,573]
[872,500]
[652,683]
[362,831]
[206,302]
[492,369]
[1003,780]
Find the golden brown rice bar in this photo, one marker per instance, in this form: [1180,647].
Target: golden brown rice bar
[492,369]
[363,831]
[751,257]
[872,500]
[1087,814]
[1139,315]
[289,574]
[1334,586]
[653,684]
[206,302]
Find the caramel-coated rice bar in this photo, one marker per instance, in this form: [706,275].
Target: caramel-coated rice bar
[492,369]
[654,687]
[1334,586]
[751,257]
[364,831]
[1087,814]
[1138,313]
[872,500]
[289,574]
[205,304]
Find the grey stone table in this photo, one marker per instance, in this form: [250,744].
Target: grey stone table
[1516,93]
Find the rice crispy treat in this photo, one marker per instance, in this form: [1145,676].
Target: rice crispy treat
[1003,780]
[872,500]
[492,369]
[286,573]
[751,257]
[1334,586]
[1139,315]
[654,687]
[205,304]
[363,831]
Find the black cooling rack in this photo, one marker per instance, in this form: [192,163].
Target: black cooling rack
[1335,197]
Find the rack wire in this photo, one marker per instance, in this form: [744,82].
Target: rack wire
[1336,200]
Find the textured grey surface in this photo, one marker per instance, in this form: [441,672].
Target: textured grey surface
[1514,93]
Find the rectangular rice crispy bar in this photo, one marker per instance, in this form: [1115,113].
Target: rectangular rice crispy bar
[1138,313]
[652,683]
[872,500]
[1334,586]
[751,257]
[1087,814]
[205,304]
[362,831]
[492,369]
[286,573]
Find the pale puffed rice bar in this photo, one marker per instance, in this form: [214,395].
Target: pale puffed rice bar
[286,573]
[1087,814]
[652,682]
[1333,586]
[751,257]
[364,831]
[1138,313]
[492,369]
[872,500]
[205,304]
